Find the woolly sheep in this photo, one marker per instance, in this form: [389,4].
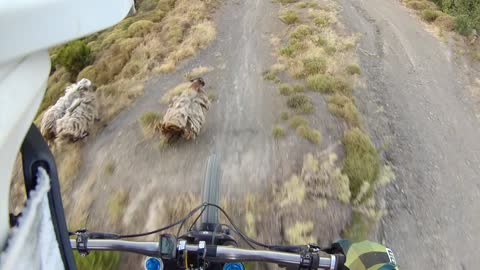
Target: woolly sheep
[78,119]
[58,110]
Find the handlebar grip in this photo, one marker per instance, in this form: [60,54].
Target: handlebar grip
[340,261]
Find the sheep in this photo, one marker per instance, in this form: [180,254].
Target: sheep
[187,113]
[78,119]
[58,110]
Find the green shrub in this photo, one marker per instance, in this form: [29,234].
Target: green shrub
[297,121]
[314,65]
[301,32]
[312,135]
[278,132]
[289,16]
[353,69]
[430,15]
[343,107]
[285,89]
[293,46]
[361,163]
[74,56]
[463,25]
[300,103]
[284,116]
[321,83]
[105,260]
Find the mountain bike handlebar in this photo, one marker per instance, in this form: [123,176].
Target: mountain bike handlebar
[218,253]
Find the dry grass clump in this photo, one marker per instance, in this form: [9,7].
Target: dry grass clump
[285,89]
[150,123]
[430,15]
[321,83]
[297,121]
[343,107]
[300,233]
[301,5]
[292,192]
[361,164]
[418,5]
[288,16]
[312,135]
[325,179]
[176,91]
[314,65]
[197,72]
[300,103]
[353,69]
[278,132]
[284,116]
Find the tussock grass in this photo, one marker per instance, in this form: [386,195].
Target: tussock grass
[314,65]
[176,91]
[284,116]
[321,83]
[353,69]
[288,16]
[269,75]
[300,103]
[312,135]
[325,179]
[418,5]
[343,107]
[445,22]
[197,72]
[292,192]
[301,32]
[298,88]
[430,15]
[278,132]
[116,205]
[150,123]
[297,121]
[285,89]
[361,162]
[301,5]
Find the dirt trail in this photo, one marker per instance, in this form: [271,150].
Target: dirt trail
[238,125]
[417,101]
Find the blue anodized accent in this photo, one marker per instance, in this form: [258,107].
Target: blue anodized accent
[153,264]
[234,266]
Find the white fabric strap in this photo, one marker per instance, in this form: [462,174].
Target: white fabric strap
[33,244]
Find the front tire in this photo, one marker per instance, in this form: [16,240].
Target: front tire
[210,191]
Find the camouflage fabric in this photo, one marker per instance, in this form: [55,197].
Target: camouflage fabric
[367,255]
